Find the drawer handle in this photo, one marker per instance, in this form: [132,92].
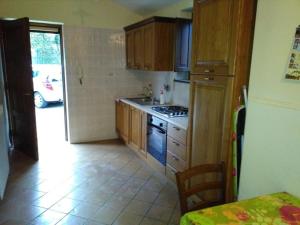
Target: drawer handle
[176,128]
[209,71]
[176,143]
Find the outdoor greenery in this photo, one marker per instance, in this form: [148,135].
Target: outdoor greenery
[45,48]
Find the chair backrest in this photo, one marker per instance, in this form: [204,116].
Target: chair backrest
[185,191]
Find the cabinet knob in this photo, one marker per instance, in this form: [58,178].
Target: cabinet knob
[209,71]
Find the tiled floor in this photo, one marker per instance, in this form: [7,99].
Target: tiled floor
[87,184]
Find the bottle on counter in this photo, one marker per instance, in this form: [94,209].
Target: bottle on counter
[161,97]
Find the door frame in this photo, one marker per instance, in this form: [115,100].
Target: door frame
[56,29]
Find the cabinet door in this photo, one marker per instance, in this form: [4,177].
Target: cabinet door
[183,36]
[135,128]
[213,36]
[125,121]
[210,118]
[149,47]
[139,48]
[143,147]
[130,49]
[119,117]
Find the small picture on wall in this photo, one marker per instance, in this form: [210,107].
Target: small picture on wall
[293,70]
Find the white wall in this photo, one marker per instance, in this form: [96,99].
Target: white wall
[98,56]
[271,161]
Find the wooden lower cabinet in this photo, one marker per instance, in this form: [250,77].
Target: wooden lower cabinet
[143,147]
[131,125]
[135,128]
[122,118]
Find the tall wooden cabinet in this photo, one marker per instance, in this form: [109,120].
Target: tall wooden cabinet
[221,55]
[210,109]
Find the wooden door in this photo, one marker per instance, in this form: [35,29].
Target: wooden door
[210,111]
[183,39]
[19,85]
[135,128]
[139,48]
[149,47]
[213,36]
[130,49]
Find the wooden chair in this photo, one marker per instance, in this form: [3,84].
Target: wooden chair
[184,193]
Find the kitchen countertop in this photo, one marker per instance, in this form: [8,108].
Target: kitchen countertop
[181,122]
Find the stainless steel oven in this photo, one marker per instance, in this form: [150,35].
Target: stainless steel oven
[157,138]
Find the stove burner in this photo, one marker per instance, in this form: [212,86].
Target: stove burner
[171,111]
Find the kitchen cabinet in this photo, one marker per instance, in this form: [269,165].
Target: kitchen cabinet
[210,110]
[138,44]
[131,125]
[143,147]
[122,118]
[183,39]
[220,66]
[152,44]
[177,155]
[130,49]
[135,129]
[214,36]
[149,42]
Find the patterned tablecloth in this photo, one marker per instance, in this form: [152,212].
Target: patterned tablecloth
[275,209]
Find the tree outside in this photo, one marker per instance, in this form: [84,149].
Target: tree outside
[45,48]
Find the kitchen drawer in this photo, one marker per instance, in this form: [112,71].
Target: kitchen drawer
[175,162]
[177,133]
[170,173]
[176,148]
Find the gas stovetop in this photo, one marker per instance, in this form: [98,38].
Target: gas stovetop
[171,111]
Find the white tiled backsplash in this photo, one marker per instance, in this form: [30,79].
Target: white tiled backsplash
[97,58]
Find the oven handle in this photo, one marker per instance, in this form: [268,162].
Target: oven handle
[160,130]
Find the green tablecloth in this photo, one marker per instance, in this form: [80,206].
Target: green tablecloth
[275,209]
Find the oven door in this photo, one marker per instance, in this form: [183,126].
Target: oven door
[157,143]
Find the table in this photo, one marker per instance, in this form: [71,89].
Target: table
[274,209]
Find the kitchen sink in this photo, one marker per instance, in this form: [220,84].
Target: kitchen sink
[142,100]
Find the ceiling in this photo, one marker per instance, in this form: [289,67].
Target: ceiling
[143,7]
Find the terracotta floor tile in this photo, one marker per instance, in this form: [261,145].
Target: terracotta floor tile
[90,184]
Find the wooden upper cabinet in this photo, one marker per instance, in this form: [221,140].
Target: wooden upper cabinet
[214,36]
[138,48]
[153,44]
[130,49]
[183,39]
[149,44]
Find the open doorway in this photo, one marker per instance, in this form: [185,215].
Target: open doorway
[48,84]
